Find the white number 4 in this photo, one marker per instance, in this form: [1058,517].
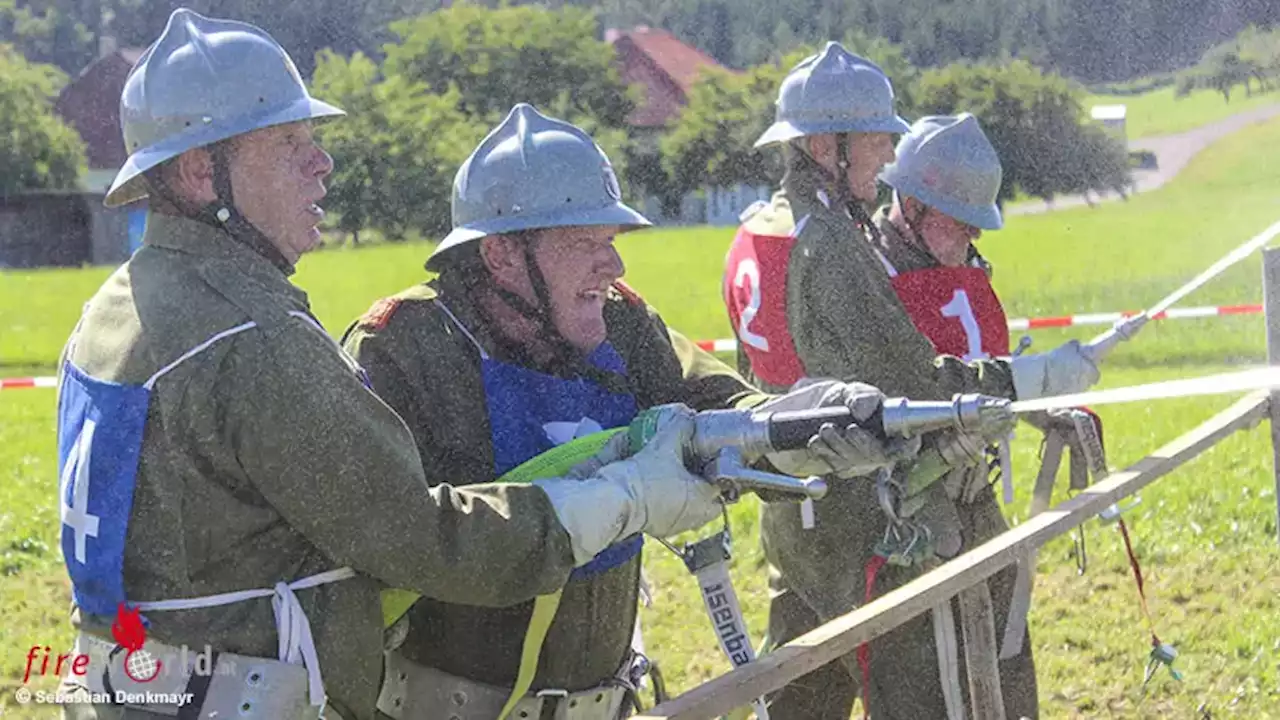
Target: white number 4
[960,308]
[76,471]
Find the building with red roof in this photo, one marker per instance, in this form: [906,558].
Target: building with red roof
[664,66]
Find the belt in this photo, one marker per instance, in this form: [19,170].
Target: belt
[416,692]
[190,684]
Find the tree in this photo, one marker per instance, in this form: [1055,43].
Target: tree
[452,76]
[302,27]
[37,151]
[710,142]
[1036,122]
[513,54]
[56,32]
[396,151]
[551,59]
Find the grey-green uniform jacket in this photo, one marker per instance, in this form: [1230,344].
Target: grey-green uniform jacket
[847,322]
[429,371]
[265,459]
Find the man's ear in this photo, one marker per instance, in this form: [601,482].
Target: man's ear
[190,175]
[503,258]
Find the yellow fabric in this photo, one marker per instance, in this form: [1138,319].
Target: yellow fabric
[544,611]
[554,462]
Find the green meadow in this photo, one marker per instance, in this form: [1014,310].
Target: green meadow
[1160,112]
[1206,534]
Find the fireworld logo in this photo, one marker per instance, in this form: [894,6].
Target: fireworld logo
[139,665]
[131,635]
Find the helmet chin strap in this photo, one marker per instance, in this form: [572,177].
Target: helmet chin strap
[912,222]
[844,190]
[565,356]
[223,214]
[540,314]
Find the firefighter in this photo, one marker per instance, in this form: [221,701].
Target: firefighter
[525,342]
[809,298]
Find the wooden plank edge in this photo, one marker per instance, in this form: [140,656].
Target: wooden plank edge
[844,634]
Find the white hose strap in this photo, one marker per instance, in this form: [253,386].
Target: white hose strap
[722,606]
[807,518]
[944,637]
[1006,470]
[293,630]
[888,266]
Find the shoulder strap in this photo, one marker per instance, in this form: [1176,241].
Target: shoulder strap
[888,266]
[479,348]
[150,383]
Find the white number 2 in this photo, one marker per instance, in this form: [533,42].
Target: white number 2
[959,308]
[748,271]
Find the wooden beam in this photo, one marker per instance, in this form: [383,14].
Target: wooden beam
[844,634]
[981,653]
[1271,306]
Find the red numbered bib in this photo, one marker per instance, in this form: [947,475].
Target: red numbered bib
[957,309]
[755,294]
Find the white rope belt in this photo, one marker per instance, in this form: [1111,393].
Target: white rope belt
[293,630]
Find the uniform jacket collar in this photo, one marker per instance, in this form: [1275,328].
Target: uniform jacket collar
[202,241]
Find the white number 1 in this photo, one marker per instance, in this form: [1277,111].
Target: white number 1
[748,271]
[959,308]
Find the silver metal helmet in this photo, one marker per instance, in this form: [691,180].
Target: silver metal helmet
[833,92]
[204,80]
[531,172]
[947,163]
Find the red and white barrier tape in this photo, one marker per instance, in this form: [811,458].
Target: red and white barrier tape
[729,345]
[1015,324]
[1109,318]
[28,382]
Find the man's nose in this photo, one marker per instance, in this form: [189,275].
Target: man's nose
[612,262]
[321,162]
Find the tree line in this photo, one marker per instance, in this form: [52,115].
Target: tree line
[1088,40]
[440,81]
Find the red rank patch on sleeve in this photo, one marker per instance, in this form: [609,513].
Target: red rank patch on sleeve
[628,293]
[380,314]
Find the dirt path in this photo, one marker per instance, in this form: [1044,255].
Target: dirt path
[1172,152]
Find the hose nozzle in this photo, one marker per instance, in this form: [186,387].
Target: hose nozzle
[971,414]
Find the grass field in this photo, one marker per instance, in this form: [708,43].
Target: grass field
[1159,112]
[1206,533]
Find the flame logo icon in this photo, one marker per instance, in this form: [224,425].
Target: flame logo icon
[131,634]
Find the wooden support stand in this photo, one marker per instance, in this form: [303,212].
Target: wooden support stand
[844,634]
[1271,306]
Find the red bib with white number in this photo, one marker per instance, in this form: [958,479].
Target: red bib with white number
[957,309]
[755,294]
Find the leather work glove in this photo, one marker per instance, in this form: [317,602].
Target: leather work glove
[608,499]
[1065,370]
[844,452]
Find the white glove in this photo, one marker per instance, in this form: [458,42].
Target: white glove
[1064,370]
[608,498]
[844,452]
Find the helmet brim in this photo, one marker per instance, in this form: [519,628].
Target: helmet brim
[983,217]
[785,130]
[618,214]
[129,185]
